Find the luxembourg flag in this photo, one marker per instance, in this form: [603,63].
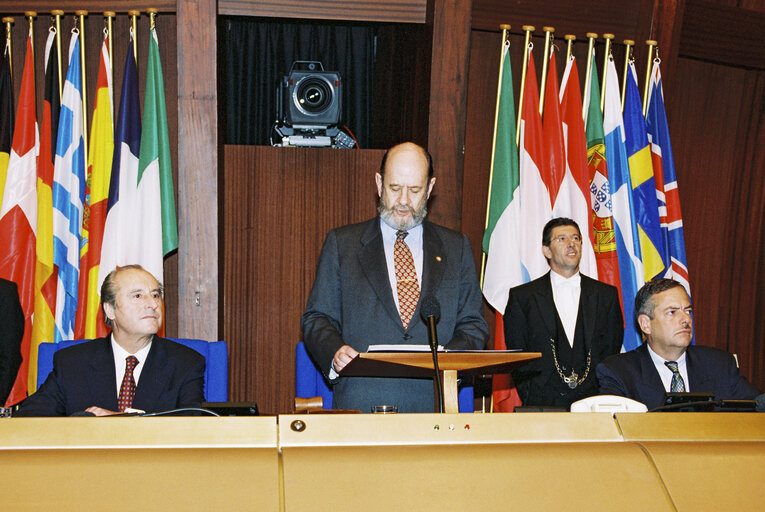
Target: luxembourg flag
[68,195]
[627,242]
[120,233]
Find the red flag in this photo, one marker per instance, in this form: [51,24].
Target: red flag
[553,166]
[18,215]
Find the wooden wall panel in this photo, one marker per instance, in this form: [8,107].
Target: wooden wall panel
[278,205]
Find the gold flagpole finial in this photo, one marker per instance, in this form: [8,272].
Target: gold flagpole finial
[591,37]
[549,31]
[628,44]
[152,12]
[651,44]
[57,13]
[134,27]
[528,29]
[8,40]
[606,54]
[570,38]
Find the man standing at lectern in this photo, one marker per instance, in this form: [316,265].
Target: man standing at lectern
[370,279]
[574,321]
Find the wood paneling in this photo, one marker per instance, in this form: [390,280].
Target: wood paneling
[397,11]
[727,35]
[92,6]
[278,205]
[198,288]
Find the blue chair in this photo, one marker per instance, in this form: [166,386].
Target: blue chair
[309,382]
[214,352]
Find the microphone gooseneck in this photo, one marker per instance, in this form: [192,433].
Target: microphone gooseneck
[430,311]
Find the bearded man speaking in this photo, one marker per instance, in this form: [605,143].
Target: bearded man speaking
[370,279]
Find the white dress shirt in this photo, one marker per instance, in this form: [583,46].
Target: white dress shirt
[566,293]
[665,373]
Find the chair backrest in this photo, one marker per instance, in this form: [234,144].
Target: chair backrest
[214,352]
[309,382]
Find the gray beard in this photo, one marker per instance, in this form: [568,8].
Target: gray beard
[386,214]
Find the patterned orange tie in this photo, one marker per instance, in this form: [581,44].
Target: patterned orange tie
[127,389]
[406,279]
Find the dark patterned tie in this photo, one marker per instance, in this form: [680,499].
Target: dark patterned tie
[406,279]
[127,389]
[677,385]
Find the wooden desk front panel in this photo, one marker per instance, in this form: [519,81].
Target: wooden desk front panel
[139,464]
[465,462]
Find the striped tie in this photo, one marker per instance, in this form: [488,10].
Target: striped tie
[677,385]
[406,279]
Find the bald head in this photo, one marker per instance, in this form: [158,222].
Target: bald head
[404,184]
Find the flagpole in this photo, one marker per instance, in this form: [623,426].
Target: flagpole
[528,29]
[570,38]
[31,15]
[651,43]
[628,46]
[8,42]
[505,43]
[590,45]
[109,15]
[152,12]
[134,27]
[57,13]
[545,64]
[81,16]
[607,52]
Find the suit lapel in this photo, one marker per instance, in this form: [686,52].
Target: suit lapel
[375,268]
[154,377]
[543,296]
[650,380]
[433,261]
[588,298]
[698,378]
[103,381]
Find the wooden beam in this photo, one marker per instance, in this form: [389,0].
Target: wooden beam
[392,11]
[198,292]
[449,21]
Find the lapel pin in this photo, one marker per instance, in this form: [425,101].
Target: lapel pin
[438,258]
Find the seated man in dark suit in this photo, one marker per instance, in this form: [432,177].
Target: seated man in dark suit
[11,332]
[666,361]
[131,370]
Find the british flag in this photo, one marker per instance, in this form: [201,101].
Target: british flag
[675,262]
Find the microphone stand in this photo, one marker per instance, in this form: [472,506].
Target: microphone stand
[433,342]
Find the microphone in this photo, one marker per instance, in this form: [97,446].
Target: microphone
[430,311]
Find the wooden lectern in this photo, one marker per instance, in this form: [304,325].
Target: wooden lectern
[451,364]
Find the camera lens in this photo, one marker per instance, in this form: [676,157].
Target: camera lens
[313,95]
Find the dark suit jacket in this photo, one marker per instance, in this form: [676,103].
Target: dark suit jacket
[11,333]
[351,303]
[531,321]
[84,375]
[710,370]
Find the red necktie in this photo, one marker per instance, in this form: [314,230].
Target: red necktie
[127,389]
[406,279]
